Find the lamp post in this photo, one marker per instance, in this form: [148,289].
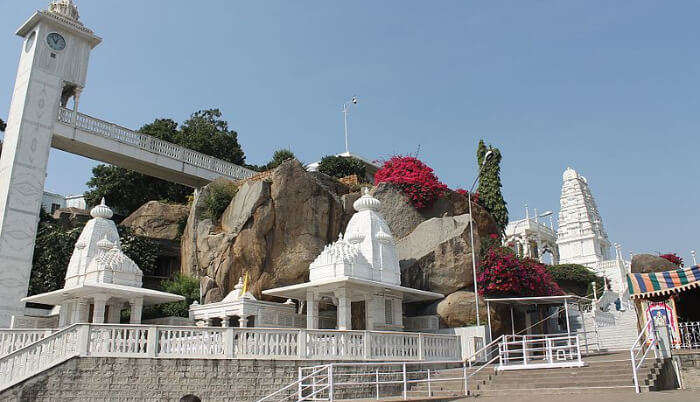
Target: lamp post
[346,110]
[692,252]
[471,233]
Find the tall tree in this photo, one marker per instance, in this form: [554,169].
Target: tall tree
[490,184]
[125,190]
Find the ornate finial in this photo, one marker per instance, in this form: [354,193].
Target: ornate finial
[239,285]
[105,244]
[102,211]
[366,202]
[340,236]
[384,237]
[65,8]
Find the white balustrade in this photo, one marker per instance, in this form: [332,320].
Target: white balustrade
[36,351]
[13,339]
[151,144]
[539,351]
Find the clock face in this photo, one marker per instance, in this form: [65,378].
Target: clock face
[30,42]
[56,41]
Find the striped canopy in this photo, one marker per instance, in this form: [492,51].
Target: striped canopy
[663,283]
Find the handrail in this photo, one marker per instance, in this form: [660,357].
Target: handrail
[32,359]
[298,383]
[638,343]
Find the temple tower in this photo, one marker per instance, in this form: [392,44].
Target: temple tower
[581,236]
[52,70]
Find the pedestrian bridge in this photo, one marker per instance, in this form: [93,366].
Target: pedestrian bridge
[96,139]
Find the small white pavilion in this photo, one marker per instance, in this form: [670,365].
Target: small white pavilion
[241,309]
[359,271]
[101,280]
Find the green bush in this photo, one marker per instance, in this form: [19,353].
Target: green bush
[182,285]
[339,166]
[220,194]
[576,279]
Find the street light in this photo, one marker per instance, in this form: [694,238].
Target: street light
[346,110]
[471,233]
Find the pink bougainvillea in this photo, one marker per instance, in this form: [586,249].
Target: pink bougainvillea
[673,258]
[414,178]
[504,274]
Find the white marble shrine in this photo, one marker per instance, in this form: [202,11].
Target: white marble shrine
[101,280]
[360,268]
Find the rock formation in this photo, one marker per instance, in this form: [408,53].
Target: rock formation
[645,263]
[157,220]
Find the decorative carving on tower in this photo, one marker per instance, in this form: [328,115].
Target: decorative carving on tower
[65,8]
[581,236]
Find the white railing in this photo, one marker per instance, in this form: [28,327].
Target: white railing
[640,349]
[151,144]
[378,380]
[32,359]
[539,351]
[13,339]
[690,335]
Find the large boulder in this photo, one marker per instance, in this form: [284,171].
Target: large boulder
[645,263]
[272,230]
[459,310]
[436,256]
[157,220]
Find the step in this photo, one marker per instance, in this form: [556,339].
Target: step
[561,391]
[565,384]
[575,376]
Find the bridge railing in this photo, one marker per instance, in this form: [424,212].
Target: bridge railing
[151,144]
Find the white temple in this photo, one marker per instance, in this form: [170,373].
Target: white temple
[530,237]
[101,280]
[360,271]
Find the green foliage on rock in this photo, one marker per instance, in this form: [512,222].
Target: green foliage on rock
[489,189]
[278,157]
[339,166]
[218,197]
[54,246]
[182,285]
[125,190]
[576,279]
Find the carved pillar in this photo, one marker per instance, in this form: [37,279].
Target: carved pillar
[81,311]
[311,310]
[98,312]
[344,316]
[243,322]
[114,314]
[224,321]
[136,305]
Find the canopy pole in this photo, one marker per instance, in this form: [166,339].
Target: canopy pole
[566,311]
[488,314]
[512,321]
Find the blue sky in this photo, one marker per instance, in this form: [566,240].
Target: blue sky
[609,88]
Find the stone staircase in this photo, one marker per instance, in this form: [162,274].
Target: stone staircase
[604,373]
[617,331]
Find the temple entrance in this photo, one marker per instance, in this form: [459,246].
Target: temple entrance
[688,305]
[359,321]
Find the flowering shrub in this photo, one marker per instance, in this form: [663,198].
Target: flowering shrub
[673,258]
[504,274]
[414,178]
[474,195]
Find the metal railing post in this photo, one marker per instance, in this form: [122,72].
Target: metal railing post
[330,382]
[377,378]
[405,385]
[464,373]
[430,392]
[634,371]
[300,388]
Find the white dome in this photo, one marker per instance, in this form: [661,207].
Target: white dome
[101,211]
[366,202]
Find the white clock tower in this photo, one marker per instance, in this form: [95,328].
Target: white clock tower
[52,70]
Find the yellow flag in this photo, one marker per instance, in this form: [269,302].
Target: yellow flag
[245,284]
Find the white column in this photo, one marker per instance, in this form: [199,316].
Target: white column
[243,322]
[224,321]
[114,314]
[63,314]
[311,310]
[81,311]
[136,305]
[344,316]
[98,312]
[398,312]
